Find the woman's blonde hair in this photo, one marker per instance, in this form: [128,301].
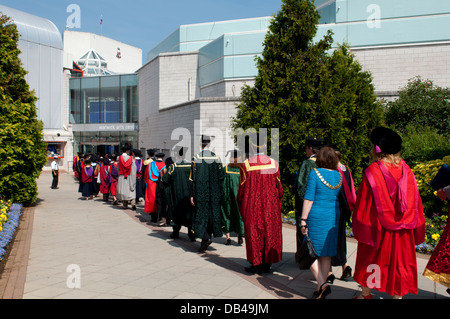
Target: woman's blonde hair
[392,159]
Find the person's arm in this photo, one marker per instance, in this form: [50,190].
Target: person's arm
[307,204]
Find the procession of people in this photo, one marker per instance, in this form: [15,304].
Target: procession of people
[245,197]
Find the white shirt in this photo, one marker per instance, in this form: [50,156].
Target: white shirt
[55,165]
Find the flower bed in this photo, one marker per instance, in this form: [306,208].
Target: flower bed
[9,220]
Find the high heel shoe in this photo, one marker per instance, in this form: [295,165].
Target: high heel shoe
[331,278]
[322,293]
[347,273]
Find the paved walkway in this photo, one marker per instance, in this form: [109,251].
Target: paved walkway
[91,249]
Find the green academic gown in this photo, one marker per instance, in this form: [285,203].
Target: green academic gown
[206,178]
[299,191]
[177,183]
[231,218]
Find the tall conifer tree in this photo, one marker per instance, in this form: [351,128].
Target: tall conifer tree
[22,150]
[305,88]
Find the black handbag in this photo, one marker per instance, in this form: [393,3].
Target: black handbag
[306,254]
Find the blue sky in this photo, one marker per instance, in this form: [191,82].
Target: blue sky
[144,23]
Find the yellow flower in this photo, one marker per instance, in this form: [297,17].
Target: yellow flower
[435,237]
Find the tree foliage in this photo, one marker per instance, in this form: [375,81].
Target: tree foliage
[305,88]
[420,104]
[22,150]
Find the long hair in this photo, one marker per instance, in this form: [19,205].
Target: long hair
[391,159]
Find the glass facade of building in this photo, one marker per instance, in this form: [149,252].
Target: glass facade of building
[104,112]
[104,99]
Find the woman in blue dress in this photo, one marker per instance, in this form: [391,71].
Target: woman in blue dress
[320,215]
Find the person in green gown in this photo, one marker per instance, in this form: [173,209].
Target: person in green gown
[313,145]
[177,184]
[231,218]
[206,187]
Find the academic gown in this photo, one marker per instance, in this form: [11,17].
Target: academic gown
[300,184]
[206,178]
[87,175]
[347,199]
[139,177]
[388,221]
[231,218]
[126,184]
[260,197]
[177,180]
[113,177]
[104,186]
[151,178]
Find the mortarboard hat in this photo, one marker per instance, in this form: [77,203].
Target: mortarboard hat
[386,140]
[314,142]
[206,139]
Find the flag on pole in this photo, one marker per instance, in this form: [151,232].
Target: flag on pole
[101,19]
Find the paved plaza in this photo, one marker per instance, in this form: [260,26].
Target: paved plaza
[81,249]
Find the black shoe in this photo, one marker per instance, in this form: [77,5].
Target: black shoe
[254,269]
[228,242]
[240,240]
[266,268]
[347,273]
[133,207]
[331,278]
[322,293]
[204,246]
[174,235]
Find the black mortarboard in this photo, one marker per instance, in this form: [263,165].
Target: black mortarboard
[206,139]
[387,140]
[234,153]
[314,142]
[125,148]
[334,146]
[137,153]
[160,155]
[151,152]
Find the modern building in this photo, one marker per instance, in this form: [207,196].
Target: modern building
[192,80]
[104,112]
[41,49]
[103,102]
[108,54]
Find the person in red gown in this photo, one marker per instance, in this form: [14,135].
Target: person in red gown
[438,266]
[104,185]
[151,175]
[259,198]
[388,221]
[113,178]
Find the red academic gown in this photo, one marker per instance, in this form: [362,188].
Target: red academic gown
[388,221]
[259,197]
[74,166]
[104,187]
[151,177]
[113,171]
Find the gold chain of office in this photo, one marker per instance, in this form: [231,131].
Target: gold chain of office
[326,183]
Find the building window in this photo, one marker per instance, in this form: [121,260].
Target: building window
[55,149]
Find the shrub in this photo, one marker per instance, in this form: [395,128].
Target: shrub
[421,104]
[22,150]
[425,172]
[421,144]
